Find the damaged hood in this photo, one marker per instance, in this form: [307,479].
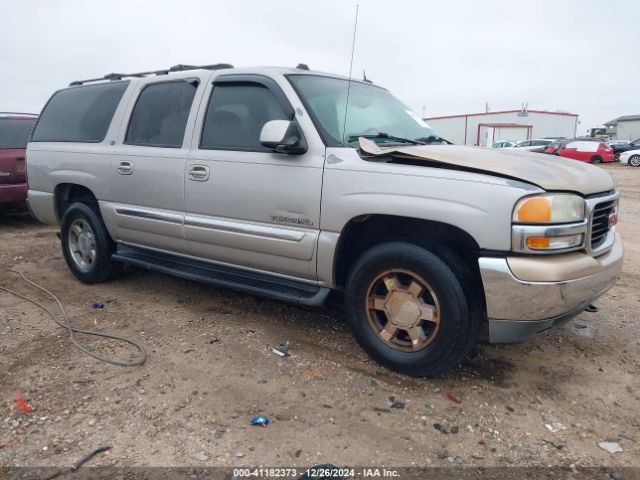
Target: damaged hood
[549,172]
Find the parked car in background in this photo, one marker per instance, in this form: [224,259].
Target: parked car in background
[618,149]
[15,129]
[504,144]
[617,143]
[534,145]
[587,151]
[554,147]
[631,157]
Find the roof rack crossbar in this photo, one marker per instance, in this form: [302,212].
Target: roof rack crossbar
[175,68]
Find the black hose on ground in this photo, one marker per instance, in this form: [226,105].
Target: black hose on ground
[66,324]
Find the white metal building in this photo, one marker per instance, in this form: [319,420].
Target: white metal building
[626,127]
[487,128]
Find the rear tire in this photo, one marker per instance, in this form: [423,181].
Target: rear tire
[634,161]
[86,245]
[391,293]
[596,159]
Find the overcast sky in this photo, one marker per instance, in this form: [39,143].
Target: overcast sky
[447,57]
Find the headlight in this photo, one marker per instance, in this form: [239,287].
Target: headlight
[549,223]
[549,209]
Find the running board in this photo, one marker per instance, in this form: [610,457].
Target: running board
[228,277]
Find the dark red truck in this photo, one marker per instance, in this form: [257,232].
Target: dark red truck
[15,130]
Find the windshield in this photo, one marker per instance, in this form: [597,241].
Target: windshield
[372,111]
[14,132]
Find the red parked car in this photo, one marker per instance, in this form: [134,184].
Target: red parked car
[587,151]
[15,130]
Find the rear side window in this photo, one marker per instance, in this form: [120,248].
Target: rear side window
[79,114]
[236,115]
[160,116]
[15,132]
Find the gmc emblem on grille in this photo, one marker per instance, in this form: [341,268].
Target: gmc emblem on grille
[613,219]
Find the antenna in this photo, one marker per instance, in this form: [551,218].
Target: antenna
[353,47]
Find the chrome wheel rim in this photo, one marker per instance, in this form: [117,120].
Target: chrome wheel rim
[403,310]
[82,244]
[635,161]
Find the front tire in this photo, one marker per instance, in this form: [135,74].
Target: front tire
[408,309]
[634,161]
[86,245]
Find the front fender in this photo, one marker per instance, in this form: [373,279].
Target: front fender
[479,204]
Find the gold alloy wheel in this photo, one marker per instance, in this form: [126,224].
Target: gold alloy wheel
[403,310]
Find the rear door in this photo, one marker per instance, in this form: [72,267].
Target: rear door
[148,162]
[569,150]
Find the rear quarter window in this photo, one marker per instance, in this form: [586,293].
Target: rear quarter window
[79,114]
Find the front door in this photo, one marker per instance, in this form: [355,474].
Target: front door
[247,206]
[148,164]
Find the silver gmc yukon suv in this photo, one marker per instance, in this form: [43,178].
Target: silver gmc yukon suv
[288,183]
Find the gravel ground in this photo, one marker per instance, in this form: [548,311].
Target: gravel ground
[211,369]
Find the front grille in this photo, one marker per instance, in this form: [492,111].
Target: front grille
[600,223]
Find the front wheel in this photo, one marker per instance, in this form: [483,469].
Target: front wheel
[86,245]
[408,309]
[634,161]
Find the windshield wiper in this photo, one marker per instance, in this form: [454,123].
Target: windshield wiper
[386,136]
[433,139]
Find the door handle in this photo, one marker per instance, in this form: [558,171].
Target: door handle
[125,167]
[198,173]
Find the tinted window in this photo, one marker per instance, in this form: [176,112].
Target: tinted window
[236,115]
[14,132]
[79,114]
[159,118]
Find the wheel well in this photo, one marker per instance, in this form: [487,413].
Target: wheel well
[596,158]
[362,233]
[67,193]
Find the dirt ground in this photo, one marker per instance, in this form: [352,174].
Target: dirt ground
[211,369]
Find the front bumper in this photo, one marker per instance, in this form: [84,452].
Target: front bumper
[13,193]
[519,307]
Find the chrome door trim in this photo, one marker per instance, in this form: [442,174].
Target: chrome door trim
[150,214]
[245,228]
[224,264]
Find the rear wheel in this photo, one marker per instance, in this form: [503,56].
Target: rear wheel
[408,309]
[596,159]
[86,245]
[634,161]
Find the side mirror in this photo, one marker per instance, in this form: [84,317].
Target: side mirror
[283,136]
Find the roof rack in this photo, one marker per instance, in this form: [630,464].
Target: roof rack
[175,68]
[19,113]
